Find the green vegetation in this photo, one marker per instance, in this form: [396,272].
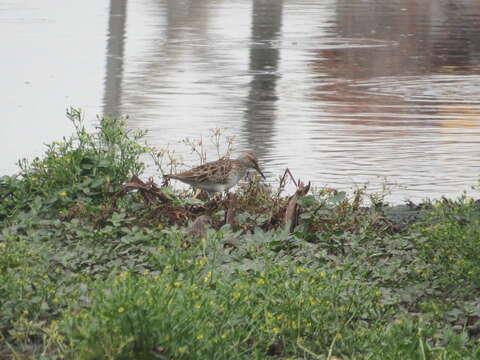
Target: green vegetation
[87,274]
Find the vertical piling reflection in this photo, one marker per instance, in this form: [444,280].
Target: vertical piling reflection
[260,111]
[115,49]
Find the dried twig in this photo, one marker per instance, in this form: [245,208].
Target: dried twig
[291,213]
[150,192]
[284,177]
[230,214]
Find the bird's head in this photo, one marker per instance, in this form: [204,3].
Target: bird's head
[249,160]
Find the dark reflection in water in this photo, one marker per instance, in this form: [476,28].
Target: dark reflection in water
[115,49]
[432,36]
[264,57]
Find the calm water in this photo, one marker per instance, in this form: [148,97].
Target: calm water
[342,92]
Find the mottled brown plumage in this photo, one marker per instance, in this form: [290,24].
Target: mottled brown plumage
[219,175]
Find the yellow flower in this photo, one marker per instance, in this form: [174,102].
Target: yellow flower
[199,336]
[207,278]
[63,193]
[177,283]
[261,281]
[338,336]
[182,349]
[121,309]
[276,330]
[56,300]
[201,261]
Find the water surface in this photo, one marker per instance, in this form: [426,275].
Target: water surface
[340,92]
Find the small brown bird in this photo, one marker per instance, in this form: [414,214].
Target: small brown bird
[220,175]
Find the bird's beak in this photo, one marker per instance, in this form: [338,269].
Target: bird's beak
[258,169]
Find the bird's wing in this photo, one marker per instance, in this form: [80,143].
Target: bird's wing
[214,171]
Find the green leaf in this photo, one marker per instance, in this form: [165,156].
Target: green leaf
[340,196]
[308,201]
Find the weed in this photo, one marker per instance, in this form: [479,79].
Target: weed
[88,274]
[86,166]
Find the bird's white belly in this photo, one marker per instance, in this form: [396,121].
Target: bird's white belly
[212,187]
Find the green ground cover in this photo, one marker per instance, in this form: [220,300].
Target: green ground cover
[86,277]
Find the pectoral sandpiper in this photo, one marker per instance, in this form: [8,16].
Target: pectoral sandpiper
[220,175]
